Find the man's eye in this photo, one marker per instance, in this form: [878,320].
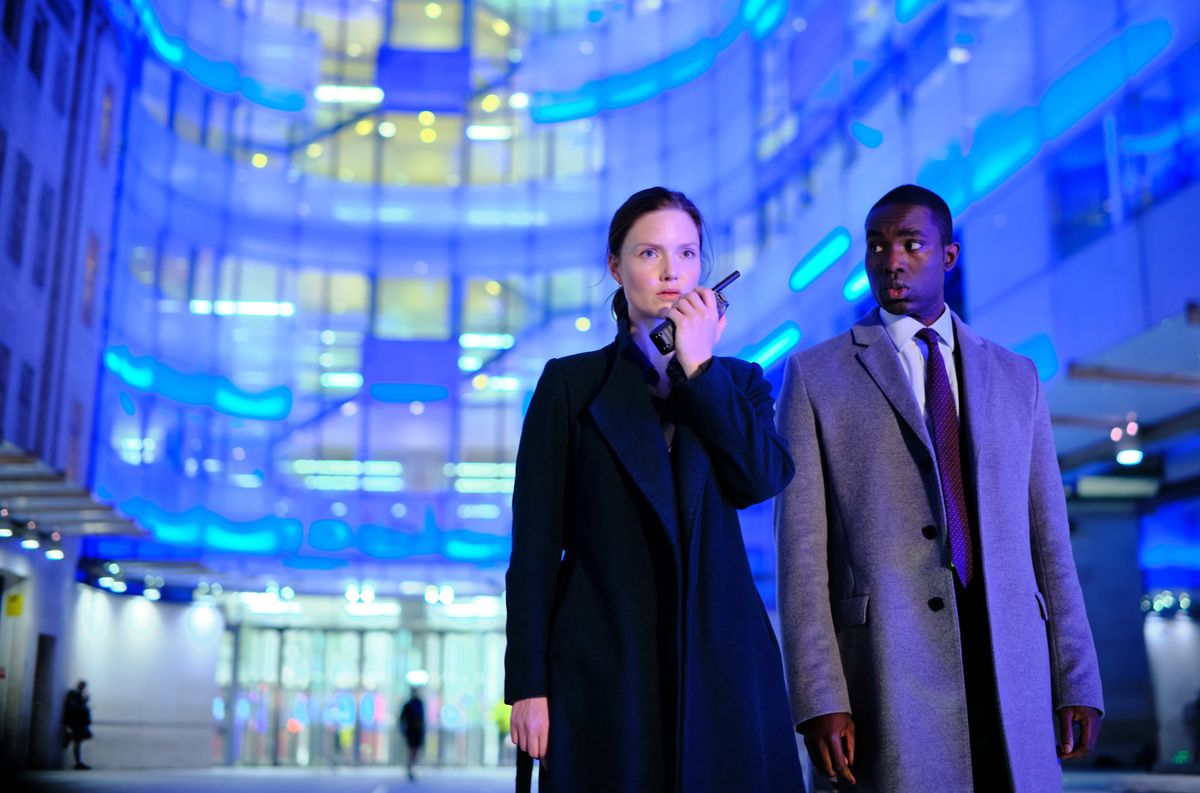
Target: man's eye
[874,247]
[913,245]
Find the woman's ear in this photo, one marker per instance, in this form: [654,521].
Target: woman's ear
[614,268]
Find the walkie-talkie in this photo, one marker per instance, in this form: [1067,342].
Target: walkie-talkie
[664,335]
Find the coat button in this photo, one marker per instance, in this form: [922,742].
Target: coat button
[936,604]
[930,532]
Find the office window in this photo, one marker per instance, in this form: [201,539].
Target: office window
[75,443]
[37,47]
[5,360]
[106,123]
[45,222]
[62,76]
[24,433]
[14,10]
[20,200]
[87,301]
[412,308]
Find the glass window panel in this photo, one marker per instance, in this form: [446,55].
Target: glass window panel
[412,308]
[414,28]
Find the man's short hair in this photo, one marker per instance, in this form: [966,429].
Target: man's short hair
[915,195]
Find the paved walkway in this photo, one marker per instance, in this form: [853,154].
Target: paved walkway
[434,780]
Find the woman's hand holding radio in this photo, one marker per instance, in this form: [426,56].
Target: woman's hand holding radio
[698,327]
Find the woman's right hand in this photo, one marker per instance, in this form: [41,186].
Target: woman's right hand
[531,725]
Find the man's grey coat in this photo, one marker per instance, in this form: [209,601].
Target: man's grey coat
[857,574]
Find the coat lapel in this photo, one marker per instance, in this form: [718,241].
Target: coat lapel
[694,472]
[975,383]
[878,357]
[625,417]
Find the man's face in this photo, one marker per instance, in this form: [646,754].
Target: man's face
[907,261]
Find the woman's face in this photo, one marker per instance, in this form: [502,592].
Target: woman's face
[658,262]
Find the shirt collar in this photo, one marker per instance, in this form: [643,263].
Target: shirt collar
[902,328]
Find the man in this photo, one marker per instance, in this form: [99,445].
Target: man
[412,726]
[932,619]
[77,722]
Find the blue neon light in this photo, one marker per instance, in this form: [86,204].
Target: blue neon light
[127,404]
[218,75]
[757,17]
[857,284]
[146,374]
[1078,92]
[1005,142]
[330,535]
[778,343]
[408,392]
[866,135]
[823,255]
[202,528]
[1044,356]
[907,10]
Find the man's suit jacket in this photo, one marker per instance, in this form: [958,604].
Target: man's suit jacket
[858,577]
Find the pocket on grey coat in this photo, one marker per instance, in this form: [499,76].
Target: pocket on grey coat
[849,612]
[1041,601]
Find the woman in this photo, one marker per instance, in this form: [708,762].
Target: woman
[640,657]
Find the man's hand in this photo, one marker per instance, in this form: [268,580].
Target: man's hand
[530,728]
[1089,731]
[830,742]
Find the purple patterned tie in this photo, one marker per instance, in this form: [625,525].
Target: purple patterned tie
[939,406]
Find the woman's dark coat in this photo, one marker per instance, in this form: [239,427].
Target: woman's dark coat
[631,604]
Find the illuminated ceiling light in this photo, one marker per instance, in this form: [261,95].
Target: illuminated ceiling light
[490,103]
[515,55]
[118,586]
[287,593]
[349,94]
[501,27]
[365,126]
[431,595]
[30,541]
[489,132]
[399,510]
[426,118]
[341,380]
[352,593]
[367,594]
[586,47]
[6,531]
[387,129]
[959,55]
[479,382]
[771,349]
[469,363]
[259,160]
[106,581]
[1116,434]
[416,408]
[433,10]
[518,100]
[428,135]
[114,568]
[1131,428]
[417,677]
[354,49]
[245,308]
[486,341]
[1129,456]
[493,288]
[583,324]
[150,593]
[446,594]
[54,553]
[328,337]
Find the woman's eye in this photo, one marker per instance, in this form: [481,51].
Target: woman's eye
[689,254]
[649,252]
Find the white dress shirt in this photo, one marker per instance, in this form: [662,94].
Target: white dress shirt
[903,332]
